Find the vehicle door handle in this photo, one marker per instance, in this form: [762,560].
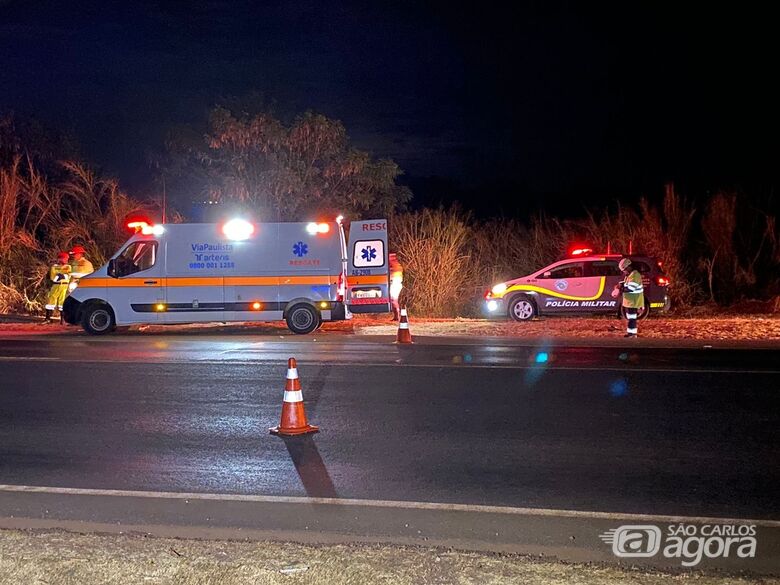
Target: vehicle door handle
[150,282]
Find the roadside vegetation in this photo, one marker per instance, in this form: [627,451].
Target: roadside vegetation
[65,558]
[722,251]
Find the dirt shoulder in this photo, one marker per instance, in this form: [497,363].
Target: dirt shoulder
[743,328]
[49,557]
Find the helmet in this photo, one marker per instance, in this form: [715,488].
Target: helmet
[624,264]
[78,250]
[62,256]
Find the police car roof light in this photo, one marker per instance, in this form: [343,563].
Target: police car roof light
[580,251]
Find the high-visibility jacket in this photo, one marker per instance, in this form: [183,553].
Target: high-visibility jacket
[633,291]
[396,279]
[59,276]
[81,268]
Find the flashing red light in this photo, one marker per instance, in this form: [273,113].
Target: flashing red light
[661,281]
[145,228]
[580,251]
[488,294]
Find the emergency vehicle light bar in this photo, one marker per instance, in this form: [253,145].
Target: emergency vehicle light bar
[580,251]
[145,228]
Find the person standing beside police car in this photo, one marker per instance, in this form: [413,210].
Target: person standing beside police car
[633,295]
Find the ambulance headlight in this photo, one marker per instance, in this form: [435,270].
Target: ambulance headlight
[238,229]
[499,289]
[72,285]
[492,306]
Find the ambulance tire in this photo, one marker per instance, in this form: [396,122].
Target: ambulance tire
[302,319]
[319,325]
[98,319]
[521,308]
[643,313]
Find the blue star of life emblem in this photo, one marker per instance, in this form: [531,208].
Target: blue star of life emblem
[368,254]
[300,249]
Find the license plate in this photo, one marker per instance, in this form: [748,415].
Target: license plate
[366,294]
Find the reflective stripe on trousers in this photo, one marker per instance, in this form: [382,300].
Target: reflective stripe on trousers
[631,315]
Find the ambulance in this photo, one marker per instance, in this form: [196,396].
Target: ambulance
[580,284]
[237,271]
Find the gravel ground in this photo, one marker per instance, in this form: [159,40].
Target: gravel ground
[53,557]
[718,327]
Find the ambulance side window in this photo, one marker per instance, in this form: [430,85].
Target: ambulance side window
[137,257]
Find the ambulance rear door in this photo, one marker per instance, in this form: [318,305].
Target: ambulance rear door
[367,277]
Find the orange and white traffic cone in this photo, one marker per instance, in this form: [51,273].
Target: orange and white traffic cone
[404,335]
[293,420]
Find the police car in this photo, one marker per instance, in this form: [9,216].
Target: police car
[582,283]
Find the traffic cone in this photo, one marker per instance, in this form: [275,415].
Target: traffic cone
[293,420]
[404,335]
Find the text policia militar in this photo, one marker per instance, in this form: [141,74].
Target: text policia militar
[575,304]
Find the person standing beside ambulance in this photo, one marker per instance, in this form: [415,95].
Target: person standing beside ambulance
[633,295]
[59,276]
[80,266]
[396,283]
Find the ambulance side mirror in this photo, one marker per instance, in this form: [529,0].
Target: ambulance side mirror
[112,268]
[547,274]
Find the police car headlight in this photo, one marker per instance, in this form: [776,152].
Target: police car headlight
[499,289]
[492,305]
[72,286]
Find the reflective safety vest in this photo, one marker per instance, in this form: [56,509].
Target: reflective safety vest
[59,275]
[81,268]
[633,291]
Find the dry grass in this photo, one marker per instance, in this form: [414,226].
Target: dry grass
[73,559]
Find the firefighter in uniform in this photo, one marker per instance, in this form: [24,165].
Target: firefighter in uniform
[80,266]
[633,295]
[396,284]
[59,276]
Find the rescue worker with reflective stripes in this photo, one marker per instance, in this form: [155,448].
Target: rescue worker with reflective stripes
[80,266]
[633,295]
[396,284]
[59,276]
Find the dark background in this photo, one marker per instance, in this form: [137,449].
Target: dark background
[507,108]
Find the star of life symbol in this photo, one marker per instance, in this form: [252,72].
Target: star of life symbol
[300,249]
[368,254]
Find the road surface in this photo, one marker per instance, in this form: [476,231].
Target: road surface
[624,430]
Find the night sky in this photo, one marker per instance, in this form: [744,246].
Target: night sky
[509,108]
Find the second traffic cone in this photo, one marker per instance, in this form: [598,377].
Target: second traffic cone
[293,420]
[404,335]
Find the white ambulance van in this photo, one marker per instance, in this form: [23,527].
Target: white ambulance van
[237,271]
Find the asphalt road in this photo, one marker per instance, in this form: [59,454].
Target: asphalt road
[648,431]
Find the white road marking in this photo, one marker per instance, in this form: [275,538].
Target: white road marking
[7,358]
[541,512]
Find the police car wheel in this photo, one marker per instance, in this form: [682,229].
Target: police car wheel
[98,320]
[522,309]
[302,319]
[643,313]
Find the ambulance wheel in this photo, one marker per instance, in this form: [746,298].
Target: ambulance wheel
[644,313]
[302,319]
[319,325]
[522,309]
[98,319]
